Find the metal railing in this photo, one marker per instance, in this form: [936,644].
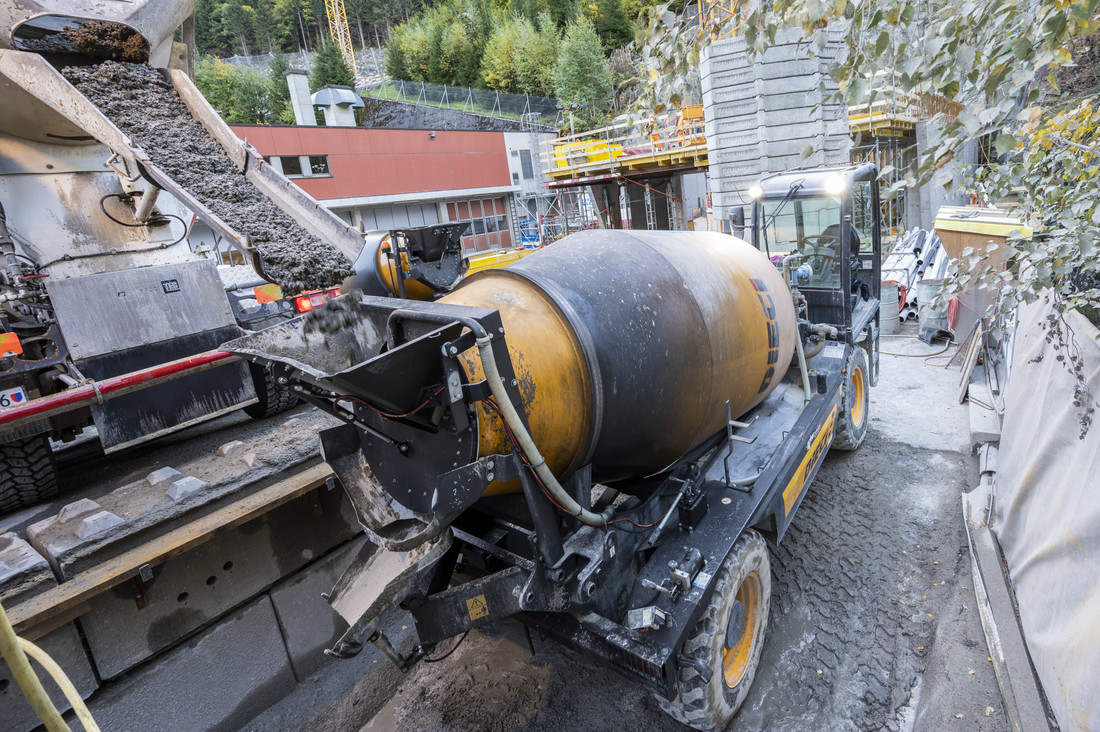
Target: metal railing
[643,142]
[532,111]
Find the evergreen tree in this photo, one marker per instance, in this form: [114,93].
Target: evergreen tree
[397,66]
[329,68]
[207,27]
[281,111]
[268,33]
[614,29]
[236,26]
[581,75]
[562,11]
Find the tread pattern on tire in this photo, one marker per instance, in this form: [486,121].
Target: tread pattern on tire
[27,474]
[693,705]
[848,436]
[272,397]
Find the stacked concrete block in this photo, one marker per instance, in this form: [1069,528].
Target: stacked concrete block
[761,112]
[136,619]
[308,622]
[218,680]
[24,574]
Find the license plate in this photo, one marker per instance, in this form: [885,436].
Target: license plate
[12,397]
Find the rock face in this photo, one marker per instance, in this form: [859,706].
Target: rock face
[143,104]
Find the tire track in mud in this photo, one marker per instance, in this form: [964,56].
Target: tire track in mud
[857,583]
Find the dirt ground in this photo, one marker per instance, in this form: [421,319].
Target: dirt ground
[873,622]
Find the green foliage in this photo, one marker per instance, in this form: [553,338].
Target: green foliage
[251,98]
[281,110]
[239,95]
[1001,63]
[329,68]
[520,58]
[581,75]
[444,44]
[236,25]
[614,29]
[562,11]
[214,78]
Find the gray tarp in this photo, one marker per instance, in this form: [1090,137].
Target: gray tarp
[1047,515]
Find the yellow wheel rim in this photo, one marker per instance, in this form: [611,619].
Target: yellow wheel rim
[857,396]
[736,658]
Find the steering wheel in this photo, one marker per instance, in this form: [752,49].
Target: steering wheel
[819,251]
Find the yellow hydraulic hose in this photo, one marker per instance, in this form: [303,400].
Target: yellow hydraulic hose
[15,651]
[20,667]
[63,682]
[527,445]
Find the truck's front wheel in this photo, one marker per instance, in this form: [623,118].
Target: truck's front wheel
[855,399]
[27,474]
[727,640]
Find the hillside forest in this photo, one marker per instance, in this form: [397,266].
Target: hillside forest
[580,52]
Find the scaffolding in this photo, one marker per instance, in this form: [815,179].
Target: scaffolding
[896,155]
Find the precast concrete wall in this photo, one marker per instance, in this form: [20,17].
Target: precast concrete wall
[762,112]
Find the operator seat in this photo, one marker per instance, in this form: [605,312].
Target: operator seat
[832,232]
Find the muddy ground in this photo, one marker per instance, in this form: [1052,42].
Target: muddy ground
[145,106]
[873,621]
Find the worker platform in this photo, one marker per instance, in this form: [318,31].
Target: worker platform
[641,148]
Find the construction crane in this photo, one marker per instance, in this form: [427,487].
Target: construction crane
[338,26]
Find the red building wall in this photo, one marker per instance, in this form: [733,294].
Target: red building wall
[372,162]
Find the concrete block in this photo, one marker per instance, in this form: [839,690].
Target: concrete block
[161,476]
[197,586]
[184,487]
[308,622]
[96,524]
[985,423]
[229,447]
[23,574]
[218,680]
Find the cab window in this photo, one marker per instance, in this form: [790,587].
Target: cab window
[810,227]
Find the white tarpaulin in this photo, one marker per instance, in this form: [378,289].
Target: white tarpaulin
[1047,515]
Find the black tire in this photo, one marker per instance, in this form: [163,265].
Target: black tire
[855,401]
[732,654]
[27,473]
[271,398]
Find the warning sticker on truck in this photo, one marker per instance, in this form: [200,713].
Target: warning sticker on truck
[815,453]
[477,607]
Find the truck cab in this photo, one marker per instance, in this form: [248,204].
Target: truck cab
[827,221]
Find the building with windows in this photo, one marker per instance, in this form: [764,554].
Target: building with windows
[392,178]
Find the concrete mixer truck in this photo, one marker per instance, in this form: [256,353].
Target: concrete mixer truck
[597,440]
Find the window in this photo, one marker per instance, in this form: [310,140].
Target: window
[809,226]
[515,178]
[488,223]
[291,165]
[525,162]
[318,164]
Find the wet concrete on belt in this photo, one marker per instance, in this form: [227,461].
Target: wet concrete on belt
[873,621]
[143,104]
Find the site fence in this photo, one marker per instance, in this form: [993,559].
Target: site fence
[533,111]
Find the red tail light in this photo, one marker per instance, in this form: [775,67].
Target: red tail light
[303,304]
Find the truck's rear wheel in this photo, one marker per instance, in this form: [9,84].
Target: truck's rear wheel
[271,397]
[851,423]
[27,474]
[727,640]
